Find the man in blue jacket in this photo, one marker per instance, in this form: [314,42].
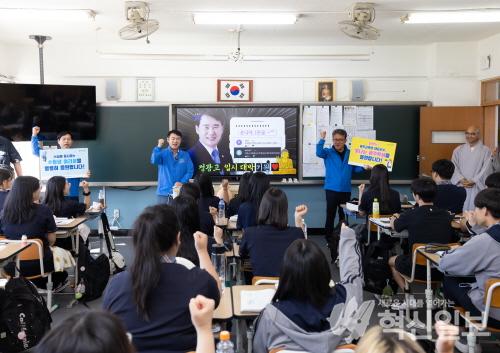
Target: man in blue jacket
[174,165]
[337,187]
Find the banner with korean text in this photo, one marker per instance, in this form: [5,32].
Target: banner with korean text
[372,152]
[69,163]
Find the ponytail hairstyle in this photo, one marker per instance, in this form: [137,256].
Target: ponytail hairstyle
[379,181]
[54,195]
[154,232]
[188,216]
[19,207]
[6,173]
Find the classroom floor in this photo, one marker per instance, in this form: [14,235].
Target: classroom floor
[124,245]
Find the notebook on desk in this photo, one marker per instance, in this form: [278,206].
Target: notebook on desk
[353,207]
[383,222]
[255,300]
[62,221]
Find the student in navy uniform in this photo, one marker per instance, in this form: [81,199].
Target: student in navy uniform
[242,196]
[206,219]
[425,224]
[379,189]
[449,196]
[174,165]
[206,151]
[152,297]
[6,177]
[247,212]
[9,154]
[480,257]
[23,215]
[298,316]
[266,243]
[207,197]
[64,140]
[338,174]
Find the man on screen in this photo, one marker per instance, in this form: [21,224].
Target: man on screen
[206,151]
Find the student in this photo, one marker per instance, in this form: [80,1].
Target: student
[207,198]
[207,220]
[297,318]
[55,198]
[425,224]
[23,215]
[152,297]
[6,177]
[102,332]
[449,197]
[242,196]
[9,154]
[379,189]
[188,217]
[480,256]
[266,243]
[64,140]
[247,213]
[493,180]
[174,165]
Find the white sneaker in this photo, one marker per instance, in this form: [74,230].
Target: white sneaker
[462,346]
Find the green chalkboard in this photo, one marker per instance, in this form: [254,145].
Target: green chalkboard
[125,139]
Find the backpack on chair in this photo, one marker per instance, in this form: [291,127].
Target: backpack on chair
[93,276]
[24,317]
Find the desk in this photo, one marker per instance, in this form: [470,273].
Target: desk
[225,309]
[10,250]
[74,223]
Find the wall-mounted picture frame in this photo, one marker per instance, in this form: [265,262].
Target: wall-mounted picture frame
[145,89]
[326,91]
[234,90]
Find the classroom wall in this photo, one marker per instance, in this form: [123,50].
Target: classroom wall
[490,46]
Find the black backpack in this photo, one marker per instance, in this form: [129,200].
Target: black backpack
[24,317]
[93,275]
[376,268]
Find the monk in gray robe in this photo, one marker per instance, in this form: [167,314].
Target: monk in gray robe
[472,165]
[495,160]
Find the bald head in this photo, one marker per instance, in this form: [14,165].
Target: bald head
[472,134]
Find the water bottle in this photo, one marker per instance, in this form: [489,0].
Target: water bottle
[101,198]
[225,345]
[219,262]
[221,213]
[376,209]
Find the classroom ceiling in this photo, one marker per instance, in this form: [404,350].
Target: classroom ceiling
[317,25]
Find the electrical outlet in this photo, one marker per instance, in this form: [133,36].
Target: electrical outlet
[116,213]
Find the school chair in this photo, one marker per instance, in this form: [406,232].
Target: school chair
[35,252]
[491,300]
[258,280]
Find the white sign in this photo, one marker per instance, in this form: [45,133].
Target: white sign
[69,163]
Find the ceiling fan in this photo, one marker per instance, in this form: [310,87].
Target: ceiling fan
[362,14]
[140,25]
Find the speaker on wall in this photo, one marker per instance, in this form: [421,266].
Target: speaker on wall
[113,89]
[357,90]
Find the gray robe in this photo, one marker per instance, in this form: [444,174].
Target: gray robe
[472,164]
[496,162]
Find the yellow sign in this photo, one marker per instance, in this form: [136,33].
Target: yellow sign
[372,152]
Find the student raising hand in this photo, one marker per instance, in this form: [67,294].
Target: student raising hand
[218,235]
[202,310]
[300,212]
[447,335]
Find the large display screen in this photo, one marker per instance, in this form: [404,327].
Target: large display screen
[54,108]
[225,140]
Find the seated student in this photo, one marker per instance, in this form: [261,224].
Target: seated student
[102,332]
[6,177]
[379,189]
[247,213]
[480,257]
[207,198]
[242,196]
[207,219]
[55,198]
[425,224]
[64,140]
[152,297]
[188,217]
[266,243]
[297,318]
[23,215]
[449,196]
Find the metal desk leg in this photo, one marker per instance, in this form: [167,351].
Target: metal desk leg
[428,300]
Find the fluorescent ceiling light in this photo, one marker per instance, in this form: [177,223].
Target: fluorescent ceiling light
[48,14]
[462,16]
[244,18]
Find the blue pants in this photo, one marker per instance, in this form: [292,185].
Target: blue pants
[162,199]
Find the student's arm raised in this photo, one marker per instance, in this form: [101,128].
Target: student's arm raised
[200,243]
[202,311]
[351,272]
[321,152]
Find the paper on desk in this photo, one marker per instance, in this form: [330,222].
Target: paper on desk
[352,207]
[382,222]
[255,300]
[62,221]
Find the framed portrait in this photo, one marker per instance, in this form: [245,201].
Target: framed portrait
[326,91]
[234,90]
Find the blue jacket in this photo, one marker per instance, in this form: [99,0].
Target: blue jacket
[170,169]
[74,182]
[338,173]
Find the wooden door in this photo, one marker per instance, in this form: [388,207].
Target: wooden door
[444,119]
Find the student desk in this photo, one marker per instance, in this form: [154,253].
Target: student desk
[9,251]
[225,309]
[431,258]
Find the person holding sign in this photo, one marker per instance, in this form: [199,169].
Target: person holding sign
[337,187]
[65,141]
[174,166]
